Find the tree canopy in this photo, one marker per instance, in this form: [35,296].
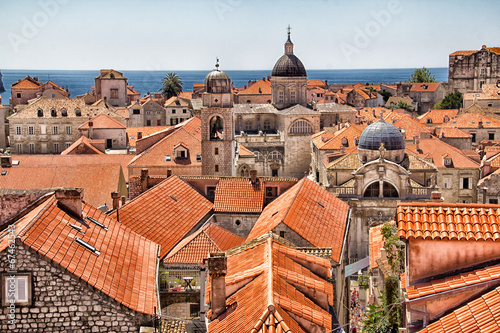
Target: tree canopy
[172,85]
[422,75]
[451,101]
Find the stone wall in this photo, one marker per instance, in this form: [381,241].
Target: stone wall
[63,303]
[238,224]
[13,201]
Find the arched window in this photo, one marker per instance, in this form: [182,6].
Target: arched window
[78,113]
[373,190]
[53,112]
[275,155]
[258,155]
[301,127]
[64,113]
[244,171]
[216,128]
[390,191]
[40,113]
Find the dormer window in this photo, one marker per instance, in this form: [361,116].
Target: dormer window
[64,113]
[447,160]
[78,113]
[53,113]
[40,113]
[345,142]
[429,121]
[168,158]
[181,152]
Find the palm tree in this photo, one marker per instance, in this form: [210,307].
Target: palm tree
[172,85]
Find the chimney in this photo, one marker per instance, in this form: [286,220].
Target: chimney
[144,179]
[417,142]
[217,269]
[91,129]
[116,199]
[139,135]
[5,161]
[124,199]
[436,197]
[414,139]
[253,177]
[71,200]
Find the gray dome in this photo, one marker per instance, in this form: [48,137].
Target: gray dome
[217,81]
[378,132]
[289,65]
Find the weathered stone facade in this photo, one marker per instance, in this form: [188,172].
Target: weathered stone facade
[13,201]
[469,70]
[63,303]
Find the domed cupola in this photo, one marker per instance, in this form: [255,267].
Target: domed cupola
[289,64]
[217,81]
[380,134]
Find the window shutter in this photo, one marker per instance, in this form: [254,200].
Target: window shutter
[22,289]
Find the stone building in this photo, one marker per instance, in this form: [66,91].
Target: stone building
[177,110]
[487,97]
[468,71]
[24,90]
[145,112]
[104,127]
[257,92]
[4,129]
[49,126]
[111,86]
[69,269]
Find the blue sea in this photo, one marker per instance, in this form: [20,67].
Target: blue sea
[81,81]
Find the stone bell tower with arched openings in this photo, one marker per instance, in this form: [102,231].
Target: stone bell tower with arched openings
[217,132]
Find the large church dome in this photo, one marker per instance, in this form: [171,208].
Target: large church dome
[289,64]
[381,132]
[217,81]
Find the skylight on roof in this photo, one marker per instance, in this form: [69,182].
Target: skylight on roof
[74,226]
[4,173]
[87,245]
[97,223]
[173,198]
[15,162]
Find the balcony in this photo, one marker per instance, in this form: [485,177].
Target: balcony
[180,280]
[343,191]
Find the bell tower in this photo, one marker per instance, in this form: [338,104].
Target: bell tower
[217,132]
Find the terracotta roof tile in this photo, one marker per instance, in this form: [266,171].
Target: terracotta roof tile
[472,120]
[311,211]
[103,121]
[274,291]
[411,127]
[166,213]
[133,132]
[239,195]
[196,247]
[328,140]
[424,87]
[479,315]
[453,282]
[436,148]
[27,83]
[454,221]
[244,152]
[261,87]
[125,269]
[82,141]
[451,132]
[97,180]
[376,244]
[318,83]
[467,53]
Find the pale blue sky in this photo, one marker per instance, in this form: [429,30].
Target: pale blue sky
[244,34]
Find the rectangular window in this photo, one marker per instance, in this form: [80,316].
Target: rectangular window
[184,111]
[148,122]
[32,148]
[446,182]
[282,234]
[19,148]
[169,172]
[491,136]
[56,148]
[482,71]
[210,192]
[16,289]
[158,122]
[18,130]
[68,130]
[31,130]
[481,84]
[281,97]
[493,201]
[68,144]
[55,130]
[173,111]
[292,97]
[216,151]
[465,183]
[198,158]
[18,95]
[473,137]
[136,111]
[114,93]
[216,168]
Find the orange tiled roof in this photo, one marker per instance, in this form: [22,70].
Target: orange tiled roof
[103,121]
[452,132]
[472,120]
[98,180]
[165,213]
[479,315]
[52,85]
[77,160]
[453,282]
[273,297]
[131,91]
[309,210]
[424,87]
[436,148]
[411,127]
[182,102]
[448,221]
[261,87]
[328,140]
[495,160]
[84,141]
[27,83]
[125,269]
[132,132]
[195,248]
[467,53]
[376,244]
[186,94]
[318,83]
[244,152]
[190,136]
[372,113]
[239,195]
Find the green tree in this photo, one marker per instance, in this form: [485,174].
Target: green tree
[402,105]
[172,85]
[386,95]
[422,75]
[451,101]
